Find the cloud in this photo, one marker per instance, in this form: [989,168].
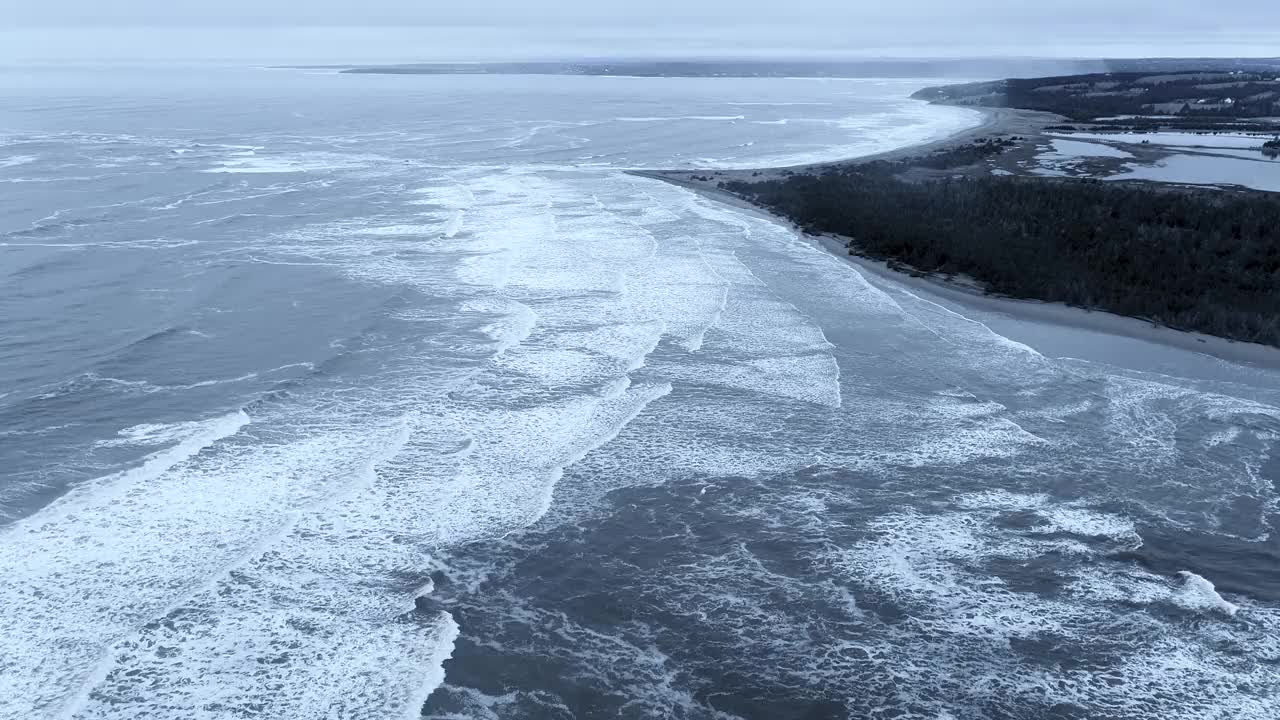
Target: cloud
[963,16]
[423,30]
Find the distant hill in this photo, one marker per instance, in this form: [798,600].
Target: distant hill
[1191,64]
[959,68]
[1210,94]
[863,68]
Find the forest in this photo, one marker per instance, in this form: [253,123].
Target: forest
[1200,260]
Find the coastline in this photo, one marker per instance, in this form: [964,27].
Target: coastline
[951,292]
[994,122]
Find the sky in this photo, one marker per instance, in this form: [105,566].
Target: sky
[464,30]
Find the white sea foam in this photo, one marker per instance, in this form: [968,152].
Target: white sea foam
[16,160]
[254,166]
[249,162]
[453,197]
[780,104]
[1135,413]
[454,225]
[513,328]
[933,567]
[682,117]
[153,554]
[398,230]
[57,179]
[201,432]
[75,537]
[147,387]
[1223,437]
[1186,590]
[347,654]
[1197,593]
[501,489]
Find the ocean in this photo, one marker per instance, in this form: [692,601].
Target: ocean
[359,396]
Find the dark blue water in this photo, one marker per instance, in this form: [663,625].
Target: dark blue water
[364,397]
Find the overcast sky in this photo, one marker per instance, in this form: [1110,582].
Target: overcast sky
[408,30]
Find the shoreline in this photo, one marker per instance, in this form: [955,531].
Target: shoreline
[999,122]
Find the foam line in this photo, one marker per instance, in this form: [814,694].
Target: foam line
[516,325]
[497,490]
[195,437]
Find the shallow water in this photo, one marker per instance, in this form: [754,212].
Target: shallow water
[1190,158]
[1068,157]
[1258,173]
[338,396]
[1180,139]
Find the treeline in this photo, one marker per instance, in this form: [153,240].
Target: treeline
[955,157]
[1197,124]
[1194,260]
[1209,96]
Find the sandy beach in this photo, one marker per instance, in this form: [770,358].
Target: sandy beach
[1074,332]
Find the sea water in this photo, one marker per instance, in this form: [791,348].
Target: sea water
[363,396]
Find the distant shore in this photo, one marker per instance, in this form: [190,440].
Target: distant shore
[1030,127]
[995,122]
